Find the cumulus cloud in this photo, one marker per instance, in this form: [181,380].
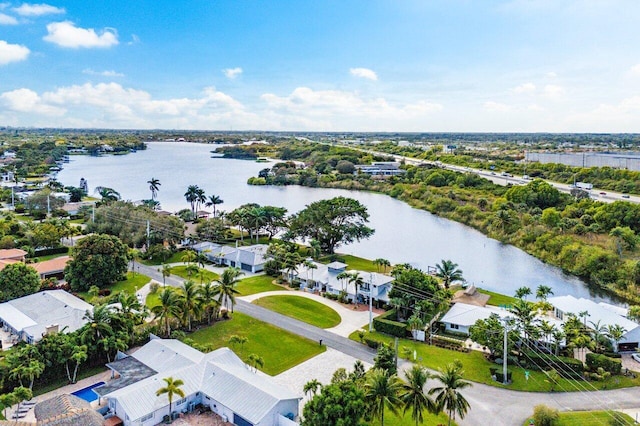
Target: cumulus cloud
[553,91]
[635,70]
[232,73]
[525,88]
[66,34]
[25,100]
[27,9]
[496,106]
[364,73]
[106,73]
[7,20]
[12,52]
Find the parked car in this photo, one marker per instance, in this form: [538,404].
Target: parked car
[625,195]
[603,193]
[636,357]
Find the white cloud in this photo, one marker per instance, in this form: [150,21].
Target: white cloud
[12,52]
[134,40]
[364,73]
[27,9]
[635,70]
[535,107]
[7,20]
[525,88]
[66,34]
[25,100]
[106,73]
[553,91]
[551,74]
[232,73]
[496,106]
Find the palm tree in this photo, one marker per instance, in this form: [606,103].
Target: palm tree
[357,282]
[192,197]
[189,256]
[523,292]
[191,300]
[543,291]
[240,340]
[33,370]
[225,290]
[413,395]
[154,187]
[599,330]
[380,262]
[616,333]
[342,276]
[168,308]
[448,272]
[78,356]
[382,391]
[312,387]
[448,396]
[209,302]
[166,272]
[107,194]
[290,263]
[310,266]
[98,325]
[172,388]
[201,198]
[256,361]
[213,201]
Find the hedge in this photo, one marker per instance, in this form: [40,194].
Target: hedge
[594,361]
[371,343]
[569,368]
[384,325]
[47,252]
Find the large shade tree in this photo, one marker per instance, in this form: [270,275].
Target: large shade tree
[98,260]
[332,222]
[17,280]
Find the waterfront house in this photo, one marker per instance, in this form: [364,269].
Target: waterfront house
[218,380]
[324,278]
[380,168]
[246,258]
[31,317]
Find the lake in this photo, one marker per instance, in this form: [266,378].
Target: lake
[402,234]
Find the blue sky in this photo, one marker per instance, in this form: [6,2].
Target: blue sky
[396,65]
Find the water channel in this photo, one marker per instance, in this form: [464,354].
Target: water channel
[402,234]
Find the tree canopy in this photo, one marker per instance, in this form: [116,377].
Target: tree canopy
[17,280]
[332,222]
[98,260]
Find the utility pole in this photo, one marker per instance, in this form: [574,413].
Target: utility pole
[48,205]
[148,233]
[93,213]
[506,320]
[370,302]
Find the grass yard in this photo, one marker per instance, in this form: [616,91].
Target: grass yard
[174,258]
[476,369]
[131,283]
[498,299]
[153,299]
[301,308]
[49,257]
[203,275]
[391,419]
[258,284]
[279,348]
[83,373]
[587,418]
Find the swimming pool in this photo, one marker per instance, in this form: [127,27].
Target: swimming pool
[87,393]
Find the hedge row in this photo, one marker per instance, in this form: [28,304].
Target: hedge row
[569,368]
[47,252]
[383,324]
[594,361]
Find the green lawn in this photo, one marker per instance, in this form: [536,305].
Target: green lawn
[258,284]
[279,348]
[476,369]
[203,275]
[49,257]
[301,308]
[83,373]
[133,282]
[153,299]
[498,299]
[391,419]
[175,258]
[586,418]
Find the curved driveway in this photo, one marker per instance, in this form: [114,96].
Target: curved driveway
[489,405]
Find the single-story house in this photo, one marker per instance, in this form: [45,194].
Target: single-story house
[52,268]
[31,317]
[15,255]
[380,168]
[605,315]
[73,209]
[219,380]
[246,258]
[325,278]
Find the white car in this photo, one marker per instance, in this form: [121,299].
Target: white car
[636,357]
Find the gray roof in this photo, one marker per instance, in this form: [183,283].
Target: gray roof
[35,312]
[220,374]
[569,304]
[167,354]
[130,370]
[66,410]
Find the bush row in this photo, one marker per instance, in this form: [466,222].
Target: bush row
[594,361]
[569,368]
[48,251]
[385,325]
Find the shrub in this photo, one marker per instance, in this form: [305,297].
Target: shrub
[104,292]
[595,361]
[566,367]
[55,250]
[545,416]
[371,343]
[384,324]
[153,287]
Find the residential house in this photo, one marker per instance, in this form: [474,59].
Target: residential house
[324,278]
[52,268]
[246,258]
[380,168]
[218,380]
[31,317]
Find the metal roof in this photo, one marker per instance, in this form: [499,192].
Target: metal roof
[608,317]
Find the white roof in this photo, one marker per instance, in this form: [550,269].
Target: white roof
[467,315]
[220,374]
[617,309]
[35,312]
[327,275]
[606,316]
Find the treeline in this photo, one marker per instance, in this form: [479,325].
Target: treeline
[592,240]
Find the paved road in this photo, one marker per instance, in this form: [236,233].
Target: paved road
[489,405]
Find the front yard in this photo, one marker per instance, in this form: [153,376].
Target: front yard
[301,308]
[257,284]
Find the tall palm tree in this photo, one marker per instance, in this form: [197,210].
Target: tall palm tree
[201,198]
[449,272]
[413,397]
[189,256]
[225,290]
[98,325]
[213,201]
[154,187]
[448,396]
[166,272]
[543,291]
[172,388]
[382,391]
[357,282]
[107,194]
[599,331]
[523,292]
[616,333]
[312,387]
[168,308]
[191,300]
[192,197]
[256,361]
[209,303]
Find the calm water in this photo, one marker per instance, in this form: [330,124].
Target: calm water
[402,234]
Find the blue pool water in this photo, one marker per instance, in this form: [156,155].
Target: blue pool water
[87,393]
